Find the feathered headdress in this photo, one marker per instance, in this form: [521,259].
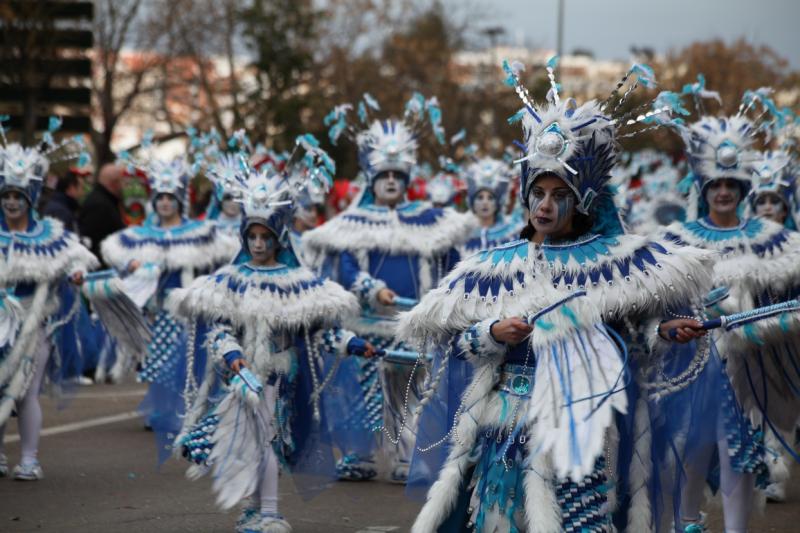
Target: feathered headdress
[488,173]
[577,143]
[721,147]
[772,173]
[24,169]
[164,176]
[387,144]
[268,196]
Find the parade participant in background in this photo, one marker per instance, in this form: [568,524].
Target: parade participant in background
[552,433]
[102,208]
[747,388]
[165,253]
[268,316]
[64,204]
[774,189]
[488,183]
[40,264]
[773,196]
[389,252]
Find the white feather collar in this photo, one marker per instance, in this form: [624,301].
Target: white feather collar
[282,298]
[45,253]
[194,244]
[623,276]
[414,228]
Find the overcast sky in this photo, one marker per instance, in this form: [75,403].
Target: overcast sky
[610,27]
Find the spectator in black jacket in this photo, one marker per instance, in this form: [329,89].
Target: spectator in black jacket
[101,214]
[64,203]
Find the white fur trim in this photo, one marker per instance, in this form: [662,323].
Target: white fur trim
[168,249]
[383,230]
[683,276]
[25,264]
[322,305]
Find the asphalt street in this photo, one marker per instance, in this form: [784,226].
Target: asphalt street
[101,476]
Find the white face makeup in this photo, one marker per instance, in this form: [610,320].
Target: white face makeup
[769,205]
[389,188]
[552,207]
[230,208]
[484,205]
[166,206]
[723,196]
[14,206]
[262,245]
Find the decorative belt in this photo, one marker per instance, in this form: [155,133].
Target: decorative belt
[516,379]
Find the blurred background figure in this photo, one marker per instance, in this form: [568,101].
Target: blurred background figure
[102,210]
[64,202]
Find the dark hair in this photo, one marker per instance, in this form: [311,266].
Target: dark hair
[70,178]
[581,225]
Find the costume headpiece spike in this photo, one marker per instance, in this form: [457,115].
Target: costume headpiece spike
[24,168]
[575,142]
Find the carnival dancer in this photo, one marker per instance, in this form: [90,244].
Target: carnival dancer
[534,442]
[165,253]
[389,252]
[40,264]
[267,320]
[488,183]
[748,388]
[774,191]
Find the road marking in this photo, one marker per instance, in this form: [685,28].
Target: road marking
[83,424]
[376,529]
[104,395]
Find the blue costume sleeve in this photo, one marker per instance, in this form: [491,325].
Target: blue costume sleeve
[348,269]
[359,282]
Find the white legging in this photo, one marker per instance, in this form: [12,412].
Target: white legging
[29,411]
[737,491]
[265,496]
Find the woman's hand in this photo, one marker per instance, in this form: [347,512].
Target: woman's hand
[133,265]
[77,278]
[510,331]
[369,350]
[238,364]
[687,329]
[386,297]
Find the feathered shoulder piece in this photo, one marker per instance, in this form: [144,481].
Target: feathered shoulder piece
[45,253]
[193,243]
[283,298]
[621,276]
[764,252]
[414,228]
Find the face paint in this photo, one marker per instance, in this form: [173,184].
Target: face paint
[484,205]
[389,188]
[230,208]
[552,207]
[261,244]
[723,196]
[14,205]
[770,206]
[166,206]
[306,216]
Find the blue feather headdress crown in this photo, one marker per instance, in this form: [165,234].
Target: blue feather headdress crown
[387,144]
[24,169]
[488,173]
[722,147]
[164,176]
[267,195]
[576,143]
[773,173]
